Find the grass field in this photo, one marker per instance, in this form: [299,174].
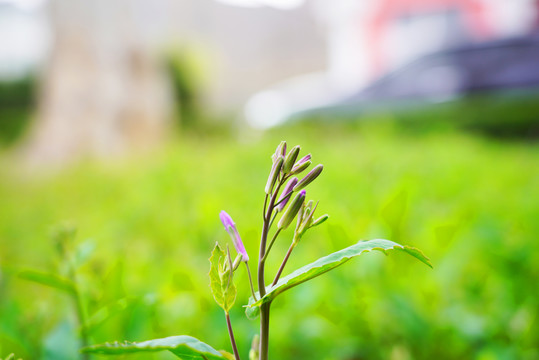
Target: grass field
[471,204]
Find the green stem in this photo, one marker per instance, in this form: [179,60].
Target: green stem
[81,315]
[231,335]
[283,264]
[79,306]
[264,330]
[271,244]
[272,219]
[251,281]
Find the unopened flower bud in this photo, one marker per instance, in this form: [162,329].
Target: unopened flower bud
[286,194]
[290,159]
[309,178]
[237,261]
[320,220]
[307,219]
[274,173]
[301,165]
[230,227]
[292,210]
[301,215]
[280,151]
[255,345]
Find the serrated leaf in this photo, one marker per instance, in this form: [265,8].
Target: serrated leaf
[49,279]
[221,282]
[183,346]
[330,262]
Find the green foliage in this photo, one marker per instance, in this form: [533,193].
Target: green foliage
[48,279]
[221,279]
[471,205]
[17,100]
[332,261]
[184,347]
[11,357]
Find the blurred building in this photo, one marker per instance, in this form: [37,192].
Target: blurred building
[368,38]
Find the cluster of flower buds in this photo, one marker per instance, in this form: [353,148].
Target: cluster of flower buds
[285,167]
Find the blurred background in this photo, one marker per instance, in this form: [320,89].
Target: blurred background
[138,121]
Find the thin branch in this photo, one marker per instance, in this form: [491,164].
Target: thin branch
[271,244]
[231,335]
[281,268]
[272,219]
[251,281]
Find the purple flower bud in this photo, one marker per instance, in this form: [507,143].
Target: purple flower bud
[309,178]
[292,210]
[230,227]
[274,174]
[301,165]
[280,151]
[286,194]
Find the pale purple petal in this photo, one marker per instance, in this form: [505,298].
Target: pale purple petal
[303,160]
[230,227]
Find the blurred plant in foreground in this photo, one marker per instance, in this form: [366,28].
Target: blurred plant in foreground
[65,278]
[285,195]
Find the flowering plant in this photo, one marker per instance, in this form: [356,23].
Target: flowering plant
[286,199]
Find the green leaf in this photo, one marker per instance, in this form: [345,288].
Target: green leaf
[184,347]
[49,279]
[328,263]
[221,280]
[252,312]
[227,355]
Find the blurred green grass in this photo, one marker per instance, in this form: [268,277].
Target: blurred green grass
[469,203]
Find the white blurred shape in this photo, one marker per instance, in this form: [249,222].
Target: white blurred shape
[273,106]
[279,4]
[25,4]
[266,109]
[24,39]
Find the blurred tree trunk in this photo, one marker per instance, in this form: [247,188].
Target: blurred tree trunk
[104,91]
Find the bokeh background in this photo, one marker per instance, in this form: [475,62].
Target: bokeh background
[138,121]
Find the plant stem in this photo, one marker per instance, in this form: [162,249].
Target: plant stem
[264,330]
[231,335]
[82,321]
[271,244]
[292,246]
[264,240]
[251,281]
[264,211]
[272,219]
[79,305]
[265,308]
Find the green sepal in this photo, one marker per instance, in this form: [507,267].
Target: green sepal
[183,346]
[221,280]
[328,263]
